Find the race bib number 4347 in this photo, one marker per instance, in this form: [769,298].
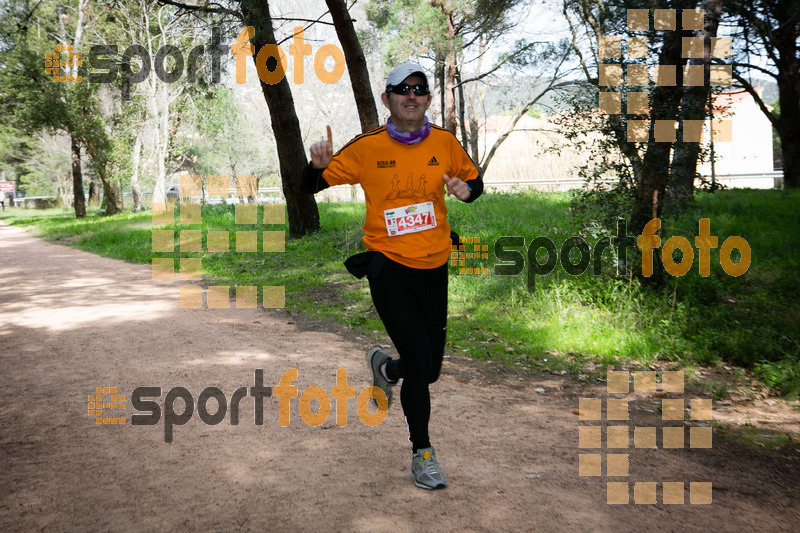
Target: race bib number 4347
[410,219]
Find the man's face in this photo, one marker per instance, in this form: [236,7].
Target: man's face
[409,108]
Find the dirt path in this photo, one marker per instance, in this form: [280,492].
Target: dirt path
[71,321]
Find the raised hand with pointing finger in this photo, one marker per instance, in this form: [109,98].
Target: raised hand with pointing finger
[322,152]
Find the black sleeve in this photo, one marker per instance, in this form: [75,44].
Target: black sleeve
[476,189]
[312,181]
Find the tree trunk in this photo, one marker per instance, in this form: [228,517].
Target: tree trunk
[253,198]
[77,179]
[655,164]
[474,148]
[113,199]
[301,208]
[439,76]
[789,118]
[790,145]
[450,77]
[356,64]
[94,192]
[786,39]
[472,93]
[461,112]
[693,106]
[137,157]
[159,98]
[775,24]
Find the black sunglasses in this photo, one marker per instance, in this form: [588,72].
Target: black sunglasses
[404,89]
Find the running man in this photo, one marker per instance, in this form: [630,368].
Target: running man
[404,168]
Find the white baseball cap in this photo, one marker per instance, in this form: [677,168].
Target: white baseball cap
[401,72]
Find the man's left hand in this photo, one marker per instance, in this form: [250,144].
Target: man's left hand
[457,188]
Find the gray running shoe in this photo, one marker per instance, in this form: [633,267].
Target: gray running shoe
[425,469]
[375,358]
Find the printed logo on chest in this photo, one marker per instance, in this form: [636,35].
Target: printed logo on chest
[411,187]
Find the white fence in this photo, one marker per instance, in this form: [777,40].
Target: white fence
[765,180]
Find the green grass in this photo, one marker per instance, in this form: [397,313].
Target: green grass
[565,320]
[752,319]
[755,437]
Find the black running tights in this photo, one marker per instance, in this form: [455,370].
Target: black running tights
[412,304]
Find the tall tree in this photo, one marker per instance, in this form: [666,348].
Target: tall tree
[15,147]
[648,156]
[695,103]
[655,178]
[356,64]
[31,98]
[77,174]
[147,106]
[47,167]
[766,40]
[79,199]
[303,214]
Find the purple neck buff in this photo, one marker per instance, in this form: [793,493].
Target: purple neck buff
[412,137]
